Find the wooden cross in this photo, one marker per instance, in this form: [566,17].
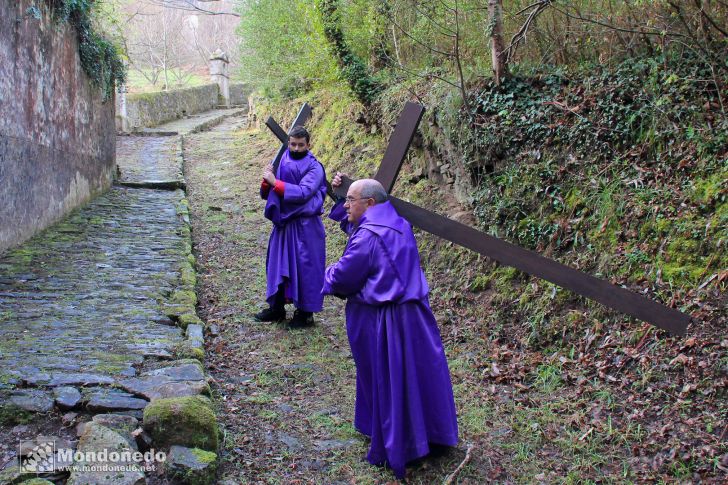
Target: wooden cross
[610,295]
[303,115]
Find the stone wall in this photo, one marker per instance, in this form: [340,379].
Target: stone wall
[239,93]
[57,135]
[151,109]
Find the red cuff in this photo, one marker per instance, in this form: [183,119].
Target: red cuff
[280,187]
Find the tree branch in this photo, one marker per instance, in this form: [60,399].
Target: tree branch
[614,27]
[419,42]
[189,6]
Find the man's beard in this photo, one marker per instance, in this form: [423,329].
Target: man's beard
[298,155]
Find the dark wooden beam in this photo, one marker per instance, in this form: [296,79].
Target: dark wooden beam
[610,295]
[303,115]
[399,143]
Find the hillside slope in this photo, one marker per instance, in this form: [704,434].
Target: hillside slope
[621,173]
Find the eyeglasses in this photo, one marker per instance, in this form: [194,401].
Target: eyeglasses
[349,199]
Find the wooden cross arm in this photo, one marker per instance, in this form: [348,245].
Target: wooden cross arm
[398,145]
[534,264]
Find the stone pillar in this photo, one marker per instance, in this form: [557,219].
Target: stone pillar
[219,73]
[122,121]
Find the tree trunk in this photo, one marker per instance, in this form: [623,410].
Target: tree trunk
[500,66]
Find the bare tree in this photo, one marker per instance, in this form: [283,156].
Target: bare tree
[204,7]
[168,41]
[498,51]
[445,20]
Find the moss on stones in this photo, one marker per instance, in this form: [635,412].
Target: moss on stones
[188,276]
[188,319]
[204,456]
[185,350]
[184,421]
[184,297]
[10,414]
[192,466]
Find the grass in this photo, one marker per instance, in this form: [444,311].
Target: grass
[136,82]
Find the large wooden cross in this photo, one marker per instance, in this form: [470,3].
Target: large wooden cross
[610,295]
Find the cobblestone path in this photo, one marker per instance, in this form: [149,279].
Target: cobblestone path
[83,297]
[149,161]
[194,123]
[92,308]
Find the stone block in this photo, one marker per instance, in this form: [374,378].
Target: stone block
[191,466]
[184,421]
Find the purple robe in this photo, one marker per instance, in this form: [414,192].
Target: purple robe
[296,255]
[404,398]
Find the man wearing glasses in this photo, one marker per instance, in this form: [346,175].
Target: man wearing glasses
[404,399]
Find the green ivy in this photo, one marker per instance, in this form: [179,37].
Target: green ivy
[100,59]
[353,69]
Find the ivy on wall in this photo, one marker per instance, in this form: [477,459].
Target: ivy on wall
[99,57]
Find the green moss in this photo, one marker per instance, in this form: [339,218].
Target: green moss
[503,278]
[184,297]
[204,456]
[189,319]
[706,191]
[188,276]
[23,255]
[196,476]
[480,282]
[183,207]
[574,200]
[682,262]
[720,219]
[184,421]
[6,316]
[216,217]
[184,350]
[11,414]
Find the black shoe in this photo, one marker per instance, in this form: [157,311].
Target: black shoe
[301,319]
[271,315]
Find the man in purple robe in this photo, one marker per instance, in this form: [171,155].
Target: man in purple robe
[296,249]
[404,398]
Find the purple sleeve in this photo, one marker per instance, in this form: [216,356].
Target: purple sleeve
[348,275]
[307,187]
[338,214]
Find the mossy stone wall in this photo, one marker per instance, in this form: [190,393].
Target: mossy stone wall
[151,109]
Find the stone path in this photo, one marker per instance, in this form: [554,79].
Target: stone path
[150,161]
[84,297]
[194,123]
[93,309]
